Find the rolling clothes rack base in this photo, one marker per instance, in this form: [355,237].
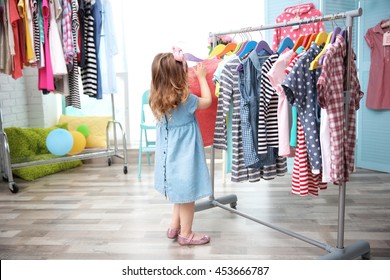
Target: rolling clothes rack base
[360,248]
[110,151]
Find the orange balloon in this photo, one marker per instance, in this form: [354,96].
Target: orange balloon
[79,142]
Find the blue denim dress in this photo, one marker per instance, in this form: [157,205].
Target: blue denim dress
[181,172]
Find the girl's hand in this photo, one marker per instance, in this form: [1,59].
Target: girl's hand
[200,70]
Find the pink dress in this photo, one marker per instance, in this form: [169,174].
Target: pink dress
[296,12]
[45,74]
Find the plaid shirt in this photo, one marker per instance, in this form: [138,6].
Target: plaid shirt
[67,37]
[330,88]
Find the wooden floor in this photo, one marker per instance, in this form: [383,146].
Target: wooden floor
[97,212]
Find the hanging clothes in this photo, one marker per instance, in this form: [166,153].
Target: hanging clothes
[89,71]
[206,118]
[276,76]
[25,14]
[45,73]
[229,95]
[250,78]
[331,97]
[5,51]
[268,110]
[97,14]
[378,90]
[300,86]
[296,12]
[304,182]
[58,61]
[73,99]
[108,49]
[16,31]
[36,30]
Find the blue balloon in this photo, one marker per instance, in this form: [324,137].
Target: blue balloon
[59,141]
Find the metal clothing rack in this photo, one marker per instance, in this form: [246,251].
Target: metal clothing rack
[111,150]
[359,249]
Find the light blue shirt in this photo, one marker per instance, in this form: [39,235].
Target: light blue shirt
[108,49]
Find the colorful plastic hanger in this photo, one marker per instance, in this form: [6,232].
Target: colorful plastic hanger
[191,57]
[336,31]
[315,63]
[242,47]
[218,48]
[321,38]
[286,43]
[298,42]
[312,38]
[238,47]
[229,48]
[250,46]
[263,46]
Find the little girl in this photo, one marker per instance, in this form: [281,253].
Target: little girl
[181,172]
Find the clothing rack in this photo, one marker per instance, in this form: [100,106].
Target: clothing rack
[359,249]
[111,150]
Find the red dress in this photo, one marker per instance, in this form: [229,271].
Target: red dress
[206,118]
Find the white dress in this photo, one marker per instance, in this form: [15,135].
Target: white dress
[57,58]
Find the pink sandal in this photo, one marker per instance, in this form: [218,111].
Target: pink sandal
[190,241]
[172,233]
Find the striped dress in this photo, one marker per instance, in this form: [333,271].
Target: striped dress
[89,71]
[304,182]
[268,141]
[268,110]
[73,99]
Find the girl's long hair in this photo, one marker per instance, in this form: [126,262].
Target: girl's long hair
[169,87]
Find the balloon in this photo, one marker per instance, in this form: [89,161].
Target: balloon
[84,129]
[59,141]
[79,143]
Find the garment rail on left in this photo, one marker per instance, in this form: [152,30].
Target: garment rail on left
[112,149]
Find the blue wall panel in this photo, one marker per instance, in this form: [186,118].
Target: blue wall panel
[373,148]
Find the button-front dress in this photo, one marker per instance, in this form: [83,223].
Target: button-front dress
[181,172]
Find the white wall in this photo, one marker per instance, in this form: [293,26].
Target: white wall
[155,26]
[143,30]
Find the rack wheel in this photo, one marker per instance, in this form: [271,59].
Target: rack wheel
[13,187]
[366,256]
[125,169]
[233,205]
[109,162]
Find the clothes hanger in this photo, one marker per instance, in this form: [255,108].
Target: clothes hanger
[238,47]
[336,31]
[218,48]
[385,24]
[229,48]
[191,57]
[298,42]
[286,43]
[315,63]
[300,49]
[321,38]
[305,40]
[263,46]
[331,40]
[312,38]
[249,46]
[242,47]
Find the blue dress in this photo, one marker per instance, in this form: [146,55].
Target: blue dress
[181,172]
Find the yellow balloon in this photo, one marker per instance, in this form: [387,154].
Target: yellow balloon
[79,142]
